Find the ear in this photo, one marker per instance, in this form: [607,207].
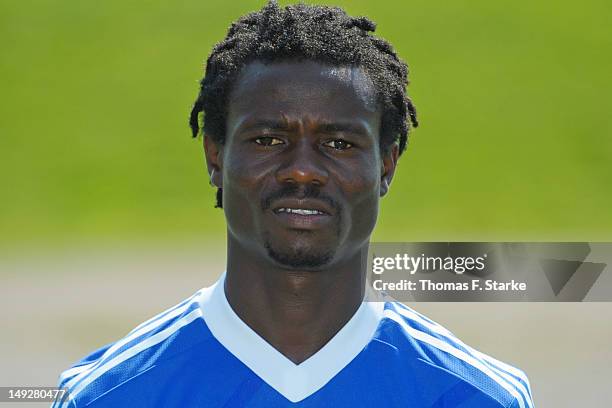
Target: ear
[214,161]
[389,162]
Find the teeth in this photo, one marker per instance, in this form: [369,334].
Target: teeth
[300,211]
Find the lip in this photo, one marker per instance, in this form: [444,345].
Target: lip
[305,204]
[294,221]
[303,221]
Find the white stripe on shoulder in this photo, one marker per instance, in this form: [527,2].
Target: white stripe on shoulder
[132,351]
[152,325]
[461,355]
[75,370]
[508,368]
[500,367]
[417,317]
[157,316]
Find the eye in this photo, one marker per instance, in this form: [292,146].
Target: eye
[338,144]
[268,141]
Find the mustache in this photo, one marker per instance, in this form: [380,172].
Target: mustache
[298,192]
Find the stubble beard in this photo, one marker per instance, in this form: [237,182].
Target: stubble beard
[299,257]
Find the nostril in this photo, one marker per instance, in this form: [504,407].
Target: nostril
[302,169]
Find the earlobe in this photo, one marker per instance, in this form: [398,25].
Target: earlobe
[212,175]
[389,162]
[214,161]
[384,186]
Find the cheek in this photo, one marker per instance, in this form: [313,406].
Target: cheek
[363,192]
[365,214]
[240,172]
[242,181]
[361,181]
[237,209]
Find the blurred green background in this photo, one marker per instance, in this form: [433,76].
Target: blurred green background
[513,99]
[107,218]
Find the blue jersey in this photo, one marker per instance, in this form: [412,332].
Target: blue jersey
[199,353]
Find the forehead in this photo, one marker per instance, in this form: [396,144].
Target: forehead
[303,88]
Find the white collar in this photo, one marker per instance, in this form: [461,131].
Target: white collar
[294,382]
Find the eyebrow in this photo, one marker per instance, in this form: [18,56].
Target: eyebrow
[331,127]
[325,127]
[272,124]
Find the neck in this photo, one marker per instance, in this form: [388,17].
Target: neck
[296,311]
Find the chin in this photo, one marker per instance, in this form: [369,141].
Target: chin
[299,256]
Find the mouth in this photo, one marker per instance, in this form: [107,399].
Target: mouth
[299,211]
[303,206]
[303,214]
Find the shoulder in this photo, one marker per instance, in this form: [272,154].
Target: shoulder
[438,351]
[156,340]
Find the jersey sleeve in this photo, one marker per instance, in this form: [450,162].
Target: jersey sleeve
[528,399]
[66,376]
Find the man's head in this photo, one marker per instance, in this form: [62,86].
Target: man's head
[304,115]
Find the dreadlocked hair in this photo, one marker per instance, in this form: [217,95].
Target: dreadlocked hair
[305,32]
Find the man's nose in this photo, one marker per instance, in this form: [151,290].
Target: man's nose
[302,165]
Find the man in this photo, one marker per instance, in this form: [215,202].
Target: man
[304,118]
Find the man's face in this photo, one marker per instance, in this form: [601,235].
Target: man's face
[301,168]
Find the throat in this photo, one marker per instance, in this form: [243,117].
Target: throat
[297,316]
